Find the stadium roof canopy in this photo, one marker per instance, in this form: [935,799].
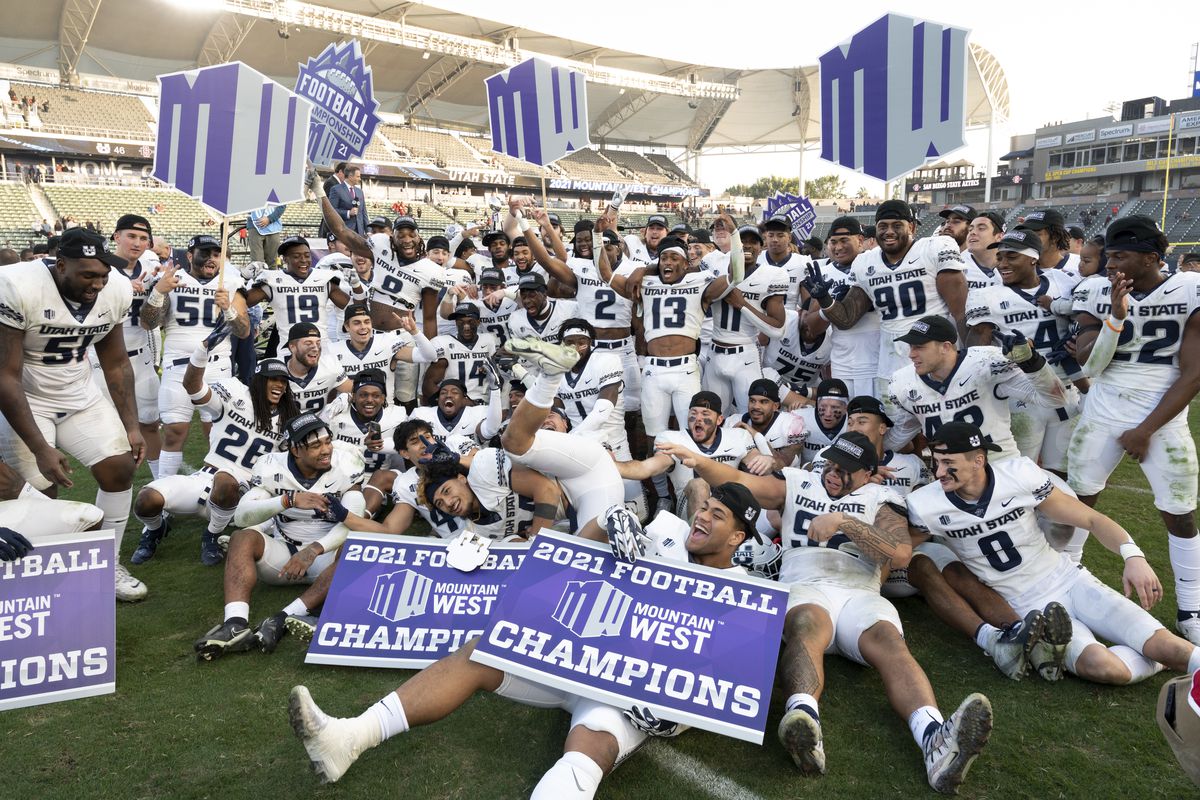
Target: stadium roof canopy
[429,65]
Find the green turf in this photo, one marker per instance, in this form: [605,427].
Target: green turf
[180,729]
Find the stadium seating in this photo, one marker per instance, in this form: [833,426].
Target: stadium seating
[171,213]
[1182,222]
[514,166]
[92,112]
[669,167]
[639,168]
[589,165]
[17,214]
[440,149]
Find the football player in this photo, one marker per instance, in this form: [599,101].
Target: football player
[288,533]
[841,532]
[986,514]
[599,737]
[980,257]
[315,376]
[539,315]
[825,419]
[780,252]
[796,359]
[1050,227]
[455,415]
[49,317]
[783,431]
[28,514]
[462,355]
[367,348]
[1141,345]
[369,422]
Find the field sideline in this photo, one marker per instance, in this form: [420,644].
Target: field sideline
[180,729]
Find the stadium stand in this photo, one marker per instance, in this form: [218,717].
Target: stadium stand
[590,165]
[171,213]
[636,165]
[441,149]
[17,213]
[669,167]
[75,110]
[514,166]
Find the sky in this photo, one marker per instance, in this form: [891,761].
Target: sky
[1063,61]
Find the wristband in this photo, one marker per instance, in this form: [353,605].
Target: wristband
[1130,550]
[1118,328]
[288,498]
[157,298]
[230,314]
[523,224]
[196,397]
[199,358]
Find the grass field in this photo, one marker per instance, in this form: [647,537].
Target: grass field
[179,729]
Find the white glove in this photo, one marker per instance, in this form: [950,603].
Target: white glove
[647,723]
[335,407]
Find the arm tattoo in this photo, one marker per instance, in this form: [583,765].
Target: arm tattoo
[846,312]
[877,542]
[150,317]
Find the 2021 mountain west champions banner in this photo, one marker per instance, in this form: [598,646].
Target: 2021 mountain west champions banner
[694,644]
[58,621]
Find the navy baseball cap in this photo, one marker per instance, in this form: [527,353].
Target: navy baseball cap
[82,243]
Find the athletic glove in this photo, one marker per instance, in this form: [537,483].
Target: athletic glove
[336,512]
[818,286]
[1019,350]
[219,334]
[625,535]
[12,545]
[647,723]
[312,179]
[437,452]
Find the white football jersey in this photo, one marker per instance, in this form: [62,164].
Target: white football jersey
[1009,308]
[145,268]
[837,561]
[796,266]
[504,513]
[818,437]
[855,352]
[977,391]
[512,275]
[521,325]
[404,492]
[904,292]
[637,248]
[400,285]
[312,391]
[580,390]
[378,354]
[598,302]
[57,376]
[674,309]
[235,442]
[495,320]
[1146,361]
[997,537]
[730,326]
[351,428]
[294,300]
[908,471]
[730,447]
[275,474]
[451,277]
[464,424]
[192,314]
[979,276]
[798,364]
[466,362]
[1069,266]
[786,429]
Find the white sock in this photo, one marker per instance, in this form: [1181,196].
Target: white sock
[923,722]
[218,518]
[544,390]
[389,716]
[169,462]
[802,700]
[1139,666]
[495,415]
[237,610]
[1185,562]
[153,465]
[983,636]
[296,608]
[115,506]
[150,522]
[573,777]
[1194,661]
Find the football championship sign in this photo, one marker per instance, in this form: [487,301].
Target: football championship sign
[58,621]
[893,96]
[231,137]
[395,602]
[339,85]
[694,644]
[798,210]
[537,111]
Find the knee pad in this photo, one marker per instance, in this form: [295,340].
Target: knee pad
[573,777]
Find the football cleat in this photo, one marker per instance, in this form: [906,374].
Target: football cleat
[551,359]
[1189,627]
[950,750]
[333,744]
[129,588]
[302,626]
[211,553]
[494,379]
[1049,654]
[270,631]
[663,504]
[231,636]
[625,534]
[148,543]
[1011,647]
[800,735]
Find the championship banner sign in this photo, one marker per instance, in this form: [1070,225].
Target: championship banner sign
[694,644]
[893,96]
[231,137]
[537,111]
[395,603]
[339,85]
[58,621]
[798,210]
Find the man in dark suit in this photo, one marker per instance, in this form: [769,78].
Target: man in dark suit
[339,170]
[347,200]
